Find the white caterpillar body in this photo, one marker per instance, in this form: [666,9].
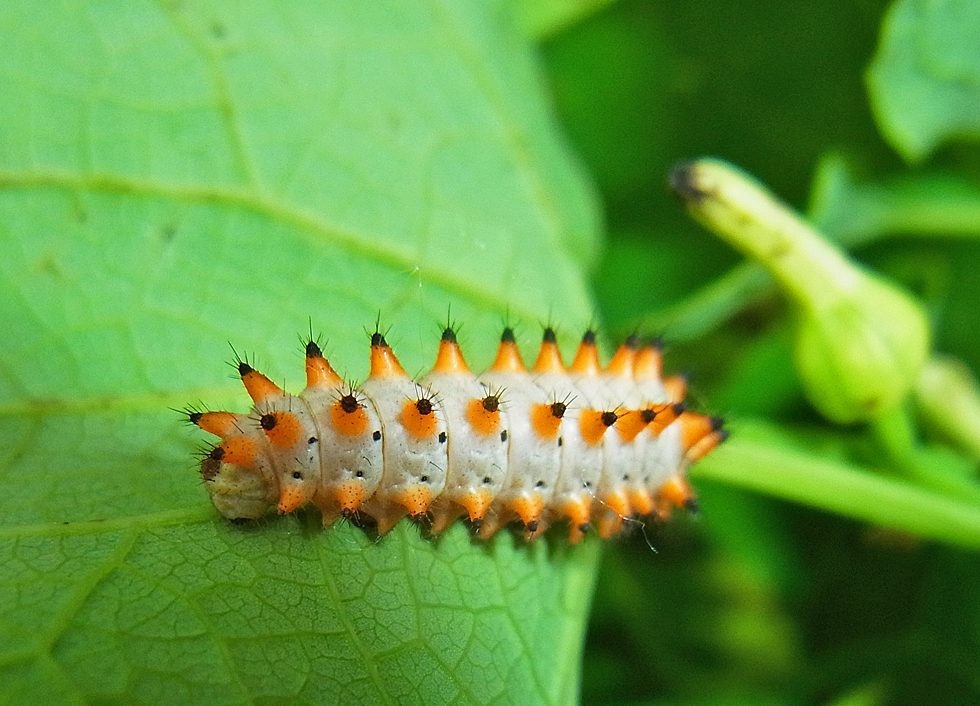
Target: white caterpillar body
[583,443]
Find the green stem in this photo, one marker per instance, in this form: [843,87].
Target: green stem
[749,461]
[895,435]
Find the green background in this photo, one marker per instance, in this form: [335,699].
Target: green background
[176,176]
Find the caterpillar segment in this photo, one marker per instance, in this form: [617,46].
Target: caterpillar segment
[584,444]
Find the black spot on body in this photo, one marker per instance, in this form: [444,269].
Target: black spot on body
[313,350]
[449,336]
[312,440]
[359,474]
[424,406]
[549,336]
[539,484]
[195,417]
[297,475]
[609,418]
[560,441]
[442,437]
[376,436]
[648,415]
[349,404]
[508,336]
[487,480]
[217,453]
[268,421]
[424,479]
[491,403]
[532,526]
[558,409]
[244,368]
[503,436]
[210,467]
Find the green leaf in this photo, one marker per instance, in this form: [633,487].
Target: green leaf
[924,81]
[175,176]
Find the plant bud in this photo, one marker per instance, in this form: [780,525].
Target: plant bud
[859,342]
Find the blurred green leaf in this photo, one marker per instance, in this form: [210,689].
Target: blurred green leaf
[924,82]
[174,176]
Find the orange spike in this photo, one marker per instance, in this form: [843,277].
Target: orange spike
[618,502]
[624,359]
[290,498]
[610,524]
[586,357]
[705,446]
[641,501]
[528,507]
[477,503]
[258,386]
[484,415]
[579,512]
[695,427]
[666,414]
[239,451]
[676,386]
[384,364]
[319,373]
[415,499]
[450,357]
[350,495]
[221,424]
[508,356]
[631,423]
[283,429]
[549,357]
[649,362]
[679,492]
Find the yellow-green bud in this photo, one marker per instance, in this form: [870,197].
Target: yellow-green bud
[948,398]
[859,341]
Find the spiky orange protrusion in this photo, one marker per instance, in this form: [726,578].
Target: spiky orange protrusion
[258,386]
[508,355]
[649,362]
[290,498]
[223,424]
[415,499]
[549,357]
[318,370]
[586,360]
[384,364]
[624,359]
[676,387]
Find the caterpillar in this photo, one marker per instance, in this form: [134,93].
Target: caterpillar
[586,444]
